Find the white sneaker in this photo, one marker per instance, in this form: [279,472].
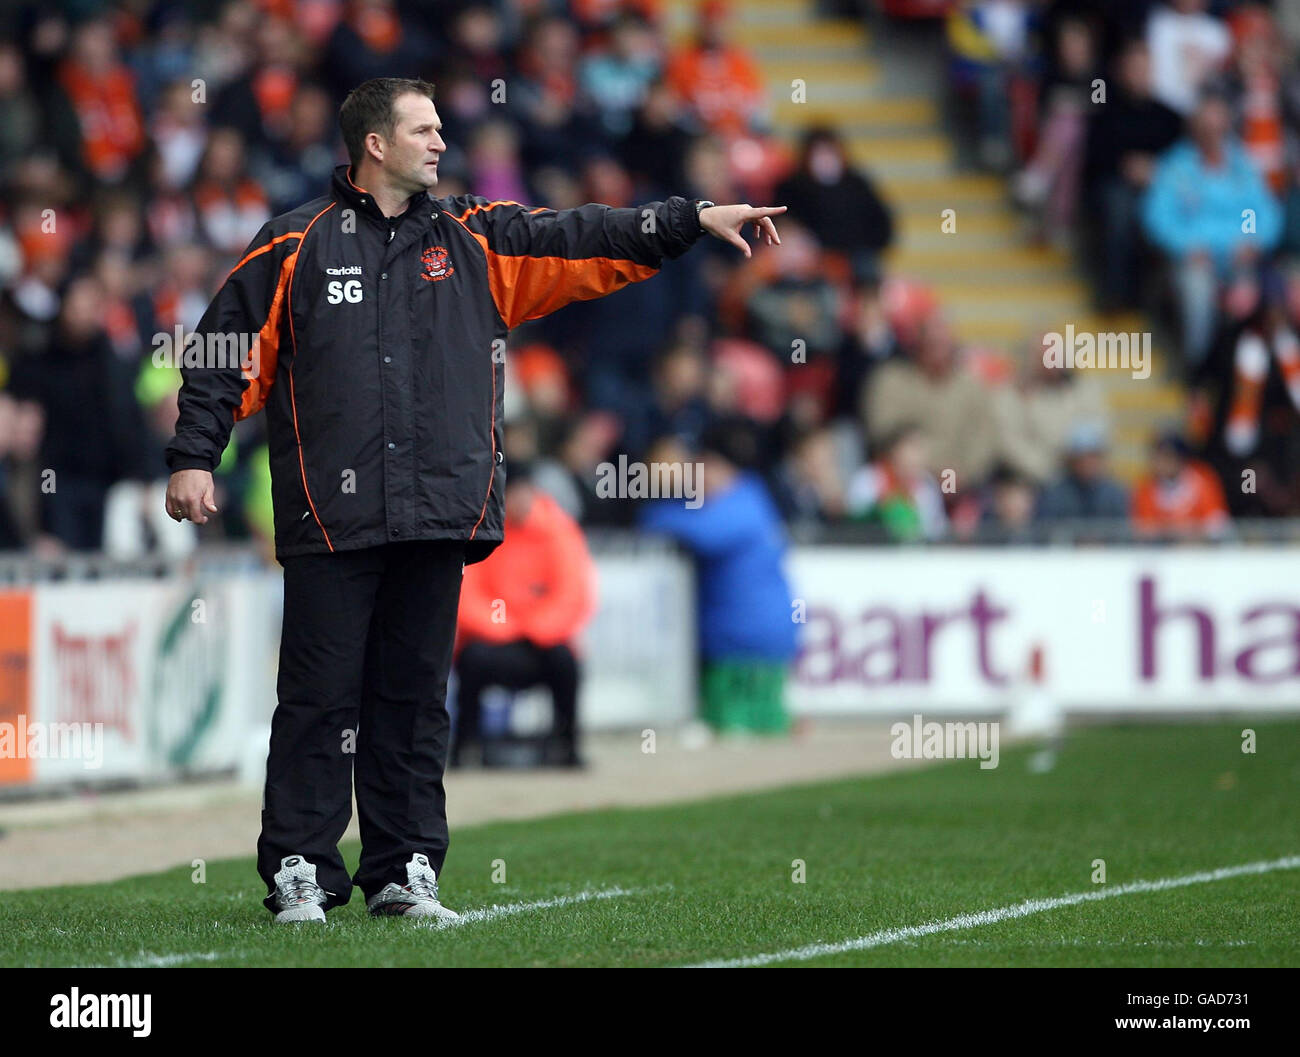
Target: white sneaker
[418,898]
[297,894]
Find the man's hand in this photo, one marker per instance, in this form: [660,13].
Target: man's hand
[725,222]
[190,495]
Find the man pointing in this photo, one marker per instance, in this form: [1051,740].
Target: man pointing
[380,313]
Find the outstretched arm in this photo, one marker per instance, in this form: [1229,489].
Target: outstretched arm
[540,260]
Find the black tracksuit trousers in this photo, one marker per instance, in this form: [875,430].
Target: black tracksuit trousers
[364,658]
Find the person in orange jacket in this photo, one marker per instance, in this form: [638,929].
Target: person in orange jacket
[521,611]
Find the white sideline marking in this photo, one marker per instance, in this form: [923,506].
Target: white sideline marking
[160,961]
[990,917]
[471,917]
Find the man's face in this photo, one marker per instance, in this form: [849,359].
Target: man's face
[411,156]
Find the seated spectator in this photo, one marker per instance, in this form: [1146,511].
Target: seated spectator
[792,300]
[1037,410]
[1085,491]
[947,403]
[677,403]
[1125,137]
[230,205]
[101,91]
[1179,497]
[655,148]
[617,78]
[868,340]
[521,611]
[897,493]
[1008,509]
[809,488]
[716,78]
[746,632]
[1210,211]
[496,170]
[837,203]
[298,168]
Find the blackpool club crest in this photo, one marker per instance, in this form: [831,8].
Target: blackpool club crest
[437,265]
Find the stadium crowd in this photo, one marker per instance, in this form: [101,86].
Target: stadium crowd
[144,142]
[1160,139]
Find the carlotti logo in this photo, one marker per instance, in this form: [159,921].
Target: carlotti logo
[188,680]
[437,265]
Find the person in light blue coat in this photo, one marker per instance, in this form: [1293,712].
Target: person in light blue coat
[1209,209]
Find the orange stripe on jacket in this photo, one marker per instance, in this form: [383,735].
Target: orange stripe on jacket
[527,288]
[268,347]
[264,249]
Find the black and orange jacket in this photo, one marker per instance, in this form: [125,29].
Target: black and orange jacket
[380,353]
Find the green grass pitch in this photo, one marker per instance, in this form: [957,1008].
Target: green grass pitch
[712,880]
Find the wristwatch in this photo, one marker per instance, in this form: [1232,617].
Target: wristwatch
[702,204]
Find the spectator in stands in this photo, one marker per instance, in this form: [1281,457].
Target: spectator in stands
[1210,211]
[988,42]
[1263,91]
[1049,184]
[298,168]
[1085,492]
[20,111]
[746,632]
[932,390]
[521,611]
[868,340]
[496,169]
[1179,497]
[655,148]
[617,78]
[101,91]
[678,403]
[792,300]
[179,133]
[1125,138]
[837,203]
[230,205]
[809,489]
[94,433]
[1008,508]
[543,96]
[897,493]
[1188,46]
[717,78]
[374,40]
[1036,412]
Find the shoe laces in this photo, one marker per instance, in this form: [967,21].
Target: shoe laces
[423,888]
[300,890]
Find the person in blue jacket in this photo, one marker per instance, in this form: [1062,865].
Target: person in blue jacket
[1209,209]
[747,631]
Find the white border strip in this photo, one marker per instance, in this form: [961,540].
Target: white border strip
[991,917]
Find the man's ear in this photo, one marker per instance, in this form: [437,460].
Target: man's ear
[375,146]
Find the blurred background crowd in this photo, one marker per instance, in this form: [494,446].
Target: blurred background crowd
[144,142]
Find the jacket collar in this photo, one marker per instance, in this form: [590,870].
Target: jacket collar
[359,198]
